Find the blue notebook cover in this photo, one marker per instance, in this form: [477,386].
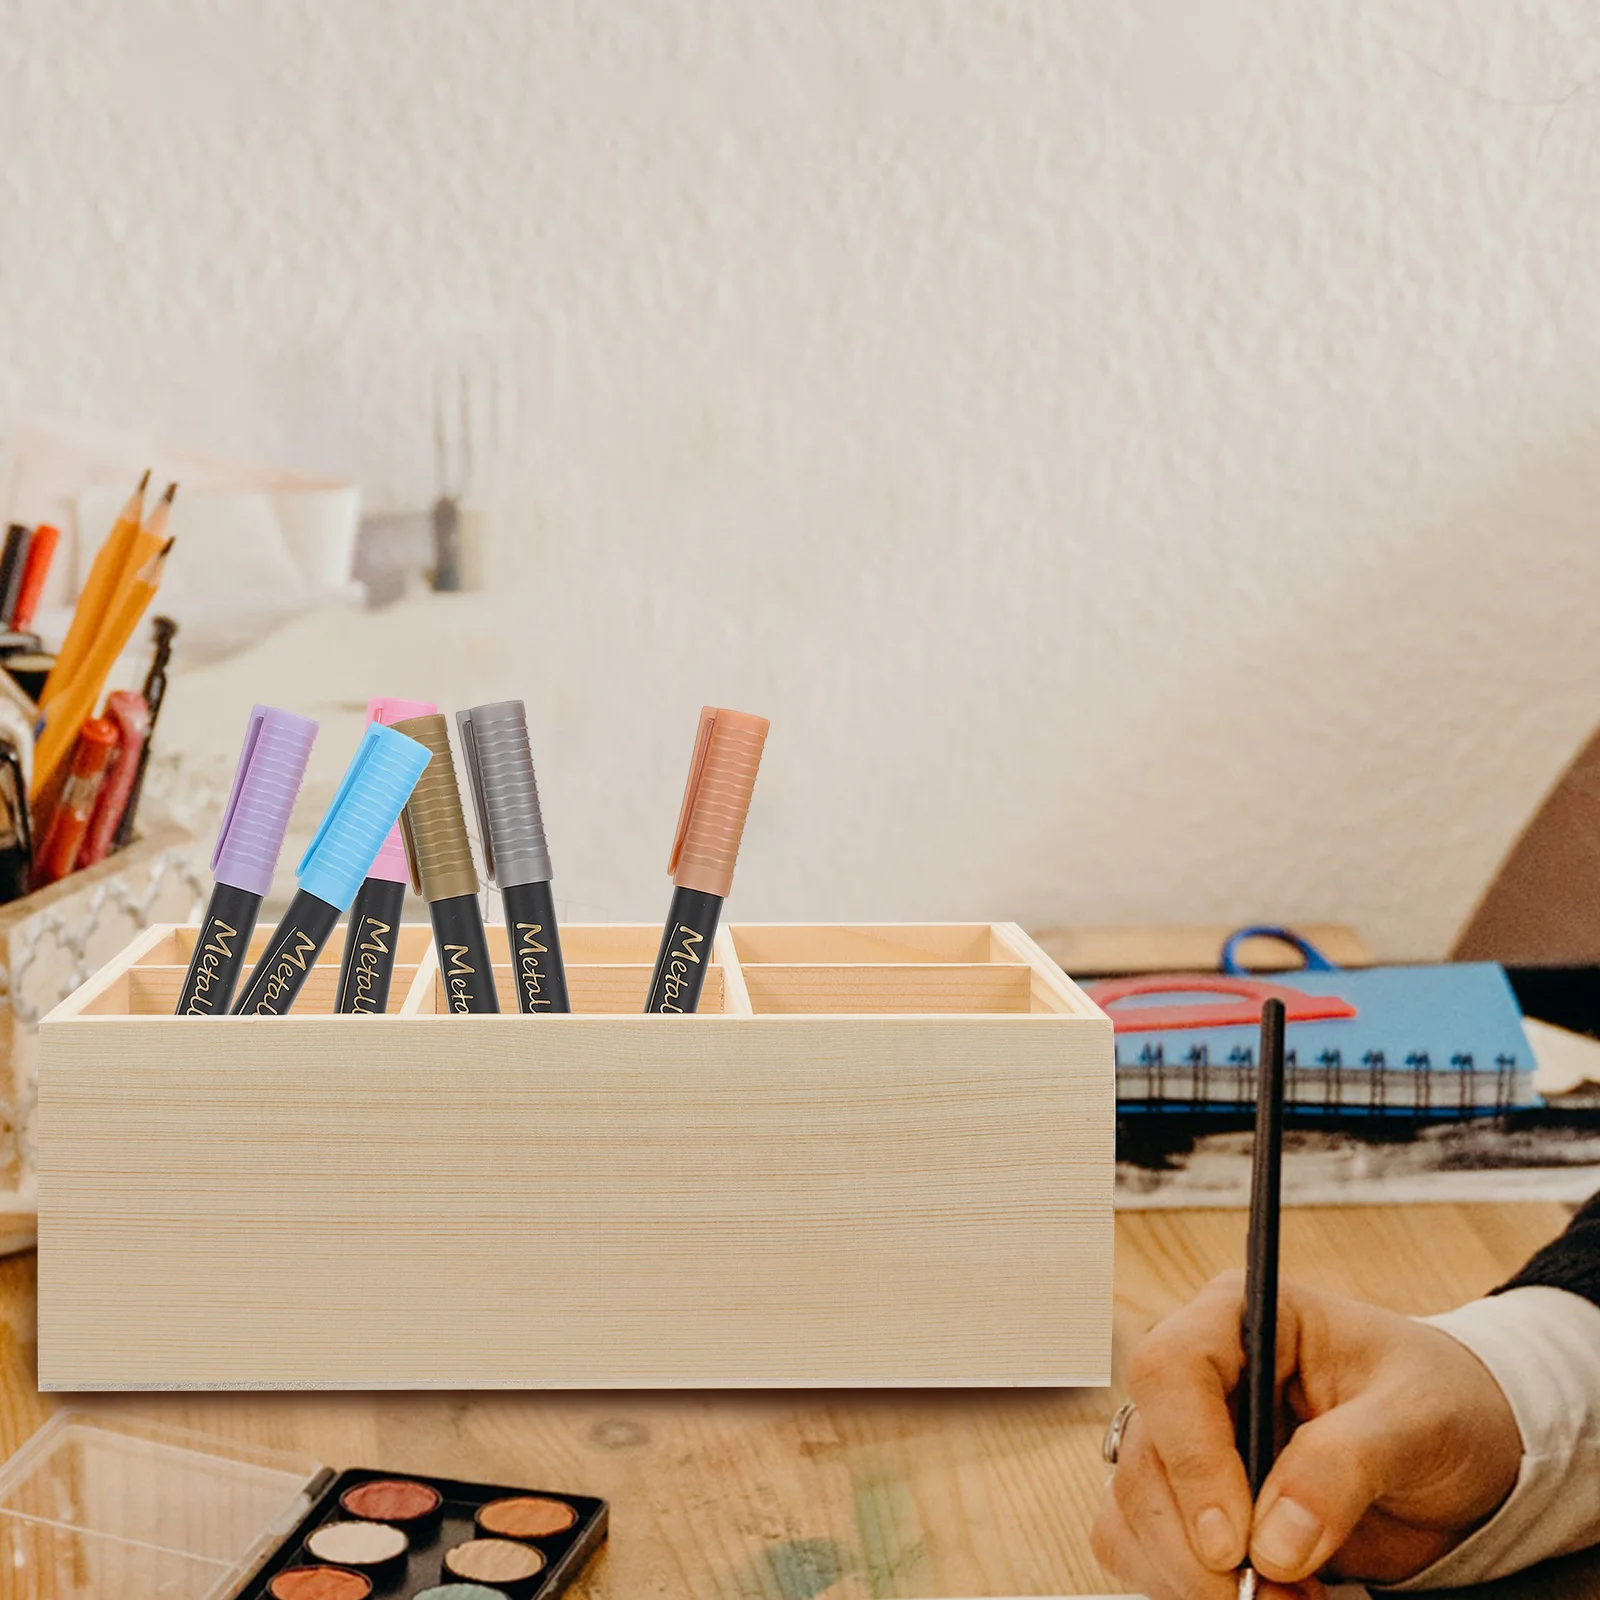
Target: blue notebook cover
[1443,1040]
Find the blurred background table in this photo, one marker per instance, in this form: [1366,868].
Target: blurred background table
[786,1496]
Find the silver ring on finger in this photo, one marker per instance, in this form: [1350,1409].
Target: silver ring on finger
[1116,1429]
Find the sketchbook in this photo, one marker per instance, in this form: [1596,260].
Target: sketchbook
[1424,1041]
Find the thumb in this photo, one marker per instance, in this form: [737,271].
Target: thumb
[1330,1473]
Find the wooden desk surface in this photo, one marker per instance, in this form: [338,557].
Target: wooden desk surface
[785,1496]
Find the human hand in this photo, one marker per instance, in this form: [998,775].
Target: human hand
[1403,1443]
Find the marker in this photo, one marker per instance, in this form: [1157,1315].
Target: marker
[13,558]
[92,754]
[376,785]
[435,834]
[127,709]
[505,794]
[277,746]
[36,568]
[368,965]
[722,777]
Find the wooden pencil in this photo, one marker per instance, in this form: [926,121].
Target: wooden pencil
[1258,1383]
[99,591]
[71,709]
[147,543]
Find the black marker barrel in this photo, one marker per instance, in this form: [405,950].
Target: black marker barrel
[536,964]
[219,952]
[464,965]
[368,966]
[685,952]
[290,955]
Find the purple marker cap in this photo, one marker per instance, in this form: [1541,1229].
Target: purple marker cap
[384,709]
[277,746]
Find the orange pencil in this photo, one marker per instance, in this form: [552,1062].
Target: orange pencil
[99,591]
[71,709]
[147,542]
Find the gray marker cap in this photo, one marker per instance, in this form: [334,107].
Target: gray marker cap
[494,744]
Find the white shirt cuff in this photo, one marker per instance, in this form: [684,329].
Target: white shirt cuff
[1542,1347]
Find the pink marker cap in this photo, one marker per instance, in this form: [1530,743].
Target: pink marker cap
[391,860]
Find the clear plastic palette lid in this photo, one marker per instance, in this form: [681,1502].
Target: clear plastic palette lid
[95,1508]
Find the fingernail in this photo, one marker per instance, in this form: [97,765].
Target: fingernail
[1288,1537]
[1213,1537]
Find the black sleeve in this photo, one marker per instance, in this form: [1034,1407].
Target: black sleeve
[1571,1262]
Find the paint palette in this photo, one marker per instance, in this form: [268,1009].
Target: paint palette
[373,1534]
[102,1509]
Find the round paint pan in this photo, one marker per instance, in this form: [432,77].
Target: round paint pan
[375,1549]
[404,1503]
[501,1564]
[526,1516]
[319,1583]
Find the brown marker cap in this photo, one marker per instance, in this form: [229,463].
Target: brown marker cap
[722,777]
[432,824]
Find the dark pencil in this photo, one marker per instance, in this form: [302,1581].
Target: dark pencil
[1258,1383]
[155,691]
[13,558]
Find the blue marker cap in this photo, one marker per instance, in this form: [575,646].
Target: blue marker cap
[374,791]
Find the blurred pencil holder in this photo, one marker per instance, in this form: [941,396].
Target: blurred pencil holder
[51,941]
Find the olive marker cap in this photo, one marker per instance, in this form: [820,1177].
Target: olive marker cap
[375,786]
[391,864]
[277,746]
[722,777]
[505,794]
[432,824]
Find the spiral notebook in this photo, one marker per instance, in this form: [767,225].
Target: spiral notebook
[1435,1042]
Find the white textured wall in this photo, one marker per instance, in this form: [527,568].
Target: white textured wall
[1144,457]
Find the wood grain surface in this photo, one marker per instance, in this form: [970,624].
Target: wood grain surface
[786,1496]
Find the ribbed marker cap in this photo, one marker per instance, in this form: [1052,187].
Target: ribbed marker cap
[505,794]
[277,746]
[432,825]
[391,860]
[375,786]
[722,777]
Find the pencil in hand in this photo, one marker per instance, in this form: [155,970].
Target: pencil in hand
[1257,1419]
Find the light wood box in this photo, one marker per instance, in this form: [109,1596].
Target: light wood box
[879,1155]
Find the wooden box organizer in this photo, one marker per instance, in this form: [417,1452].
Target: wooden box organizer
[878,1155]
